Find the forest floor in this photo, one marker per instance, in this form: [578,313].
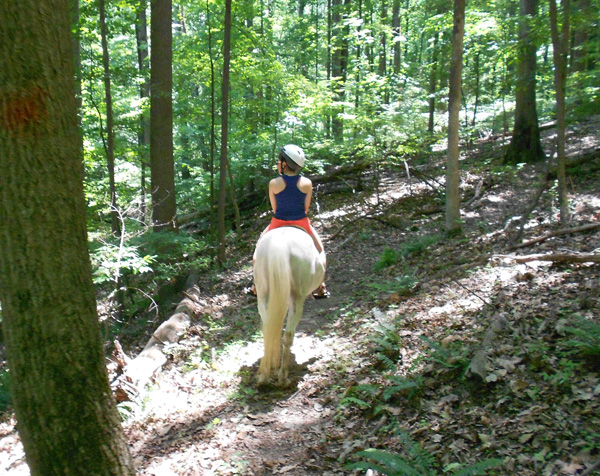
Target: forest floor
[444,351]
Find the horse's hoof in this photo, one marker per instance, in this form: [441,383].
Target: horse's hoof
[283,380]
[261,379]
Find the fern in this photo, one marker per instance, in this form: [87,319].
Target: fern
[417,461]
[448,358]
[477,468]
[357,401]
[387,463]
[586,338]
[401,384]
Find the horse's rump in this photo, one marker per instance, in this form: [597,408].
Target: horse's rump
[287,268]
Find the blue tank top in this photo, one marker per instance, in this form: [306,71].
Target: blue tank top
[290,201]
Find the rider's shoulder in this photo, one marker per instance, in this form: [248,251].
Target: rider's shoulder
[305,181]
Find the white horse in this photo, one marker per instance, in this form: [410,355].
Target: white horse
[287,269]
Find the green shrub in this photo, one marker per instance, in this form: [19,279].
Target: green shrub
[5,399]
[585,339]
[414,462]
[390,256]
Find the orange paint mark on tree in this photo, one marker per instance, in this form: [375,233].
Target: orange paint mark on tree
[17,111]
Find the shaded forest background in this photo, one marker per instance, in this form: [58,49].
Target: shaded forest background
[351,82]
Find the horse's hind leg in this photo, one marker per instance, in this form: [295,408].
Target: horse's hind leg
[294,316]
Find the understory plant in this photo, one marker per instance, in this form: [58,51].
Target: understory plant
[415,461]
[585,339]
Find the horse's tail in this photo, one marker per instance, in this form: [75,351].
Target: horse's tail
[278,299]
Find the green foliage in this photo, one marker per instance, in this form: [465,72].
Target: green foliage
[585,339]
[5,398]
[387,343]
[110,260]
[401,386]
[415,461]
[391,256]
[453,357]
[363,396]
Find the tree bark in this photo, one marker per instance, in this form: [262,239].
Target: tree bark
[452,165]
[224,130]
[67,418]
[110,135]
[560,43]
[433,82]
[212,117]
[164,209]
[337,68]
[526,145]
[396,29]
[141,30]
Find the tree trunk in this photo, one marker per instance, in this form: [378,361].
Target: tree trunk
[141,30]
[477,85]
[110,135]
[526,145]
[164,207]
[397,34]
[212,119]
[76,38]
[224,130]
[67,418]
[560,44]
[337,68]
[433,83]
[383,41]
[233,198]
[582,58]
[452,167]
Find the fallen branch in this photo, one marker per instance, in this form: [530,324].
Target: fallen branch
[555,258]
[479,362]
[137,372]
[564,231]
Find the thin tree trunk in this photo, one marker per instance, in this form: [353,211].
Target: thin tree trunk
[76,38]
[110,137]
[433,83]
[452,168]
[397,33]
[337,68]
[383,41]
[560,43]
[224,129]
[232,197]
[212,117]
[68,420]
[476,105]
[141,30]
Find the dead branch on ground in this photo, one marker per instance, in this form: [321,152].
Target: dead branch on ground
[554,258]
[564,231]
[137,372]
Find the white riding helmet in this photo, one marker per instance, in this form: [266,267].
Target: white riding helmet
[293,153]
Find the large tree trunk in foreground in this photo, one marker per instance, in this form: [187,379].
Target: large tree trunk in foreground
[66,415]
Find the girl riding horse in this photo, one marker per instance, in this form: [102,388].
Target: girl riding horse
[290,195]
